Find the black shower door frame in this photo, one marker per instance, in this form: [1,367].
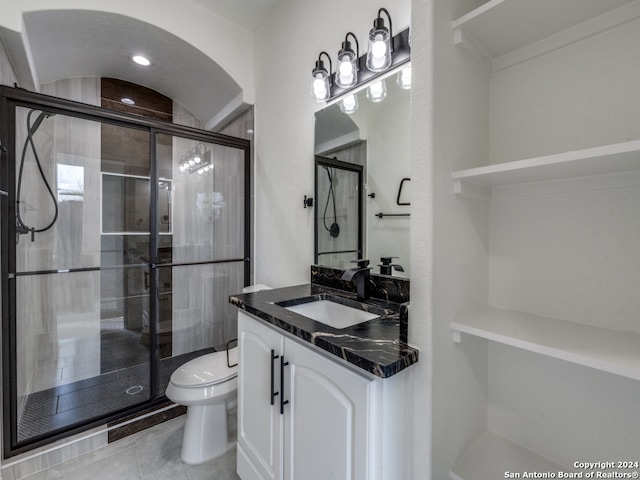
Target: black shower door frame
[10,99]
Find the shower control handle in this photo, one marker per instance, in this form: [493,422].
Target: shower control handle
[273,394]
[283,402]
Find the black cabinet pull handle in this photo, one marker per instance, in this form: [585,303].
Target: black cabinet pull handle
[283,402]
[273,394]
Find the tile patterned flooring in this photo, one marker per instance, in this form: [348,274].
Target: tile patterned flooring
[59,407]
[151,454]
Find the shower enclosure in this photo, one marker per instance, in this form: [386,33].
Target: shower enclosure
[122,238]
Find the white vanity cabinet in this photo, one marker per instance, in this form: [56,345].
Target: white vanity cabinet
[326,420]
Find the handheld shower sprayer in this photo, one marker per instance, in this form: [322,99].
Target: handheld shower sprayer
[334,230]
[21,227]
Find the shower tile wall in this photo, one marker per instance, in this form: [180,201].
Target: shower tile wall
[74,242]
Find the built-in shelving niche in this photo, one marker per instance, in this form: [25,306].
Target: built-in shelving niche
[498,35]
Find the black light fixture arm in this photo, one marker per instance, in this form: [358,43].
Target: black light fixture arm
[346,45]
[320,63]
[382,9]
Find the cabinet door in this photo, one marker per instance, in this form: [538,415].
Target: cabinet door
[326,420]
[259,423]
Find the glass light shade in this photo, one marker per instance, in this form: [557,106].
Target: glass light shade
[347,74]
[320,89]
[349,104]
[379,53]
[377,91]
[404,78]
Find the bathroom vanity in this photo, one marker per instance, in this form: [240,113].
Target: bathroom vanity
[317,401]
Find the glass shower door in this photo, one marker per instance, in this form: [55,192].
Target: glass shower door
[81,243]
[122,239]
[204,262]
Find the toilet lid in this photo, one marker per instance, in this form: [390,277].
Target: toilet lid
[208,369]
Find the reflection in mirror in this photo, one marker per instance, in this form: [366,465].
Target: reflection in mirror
[376,137]
[338,207]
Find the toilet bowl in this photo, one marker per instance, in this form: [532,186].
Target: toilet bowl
[207,386]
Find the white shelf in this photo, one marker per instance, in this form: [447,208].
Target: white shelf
[491,456]
[599,348]
[506,32]
[607,159]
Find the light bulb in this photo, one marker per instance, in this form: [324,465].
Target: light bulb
[404,78]
[349,104]
[320,88]
[346,68]
[345,73]
[377,91]
[197,159]
[379,48]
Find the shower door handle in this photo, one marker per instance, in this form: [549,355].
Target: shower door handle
[283,402]
[273,358]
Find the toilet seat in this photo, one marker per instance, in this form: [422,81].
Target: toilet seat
[207,370]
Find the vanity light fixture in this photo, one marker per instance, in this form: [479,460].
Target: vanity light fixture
[321,85]
[349,104]
[377,91]
[140,60]
[347,69]
[380,47]
[353,75]
[404,78]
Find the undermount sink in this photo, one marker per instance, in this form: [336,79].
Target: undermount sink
[331,313]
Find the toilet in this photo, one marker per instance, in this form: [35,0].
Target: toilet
[208,386]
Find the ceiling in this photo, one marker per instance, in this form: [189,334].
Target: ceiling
[76,43]
[246,13]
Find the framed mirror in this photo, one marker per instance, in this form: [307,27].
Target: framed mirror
[375,139]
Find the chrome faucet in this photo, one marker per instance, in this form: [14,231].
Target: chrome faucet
[361,272]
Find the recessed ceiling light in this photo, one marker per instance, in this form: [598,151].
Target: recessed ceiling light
[140,60]
[128,101]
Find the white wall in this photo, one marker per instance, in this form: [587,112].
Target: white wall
[286,48]
[580,96]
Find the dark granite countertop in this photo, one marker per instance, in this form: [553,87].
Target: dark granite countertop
[377,346]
